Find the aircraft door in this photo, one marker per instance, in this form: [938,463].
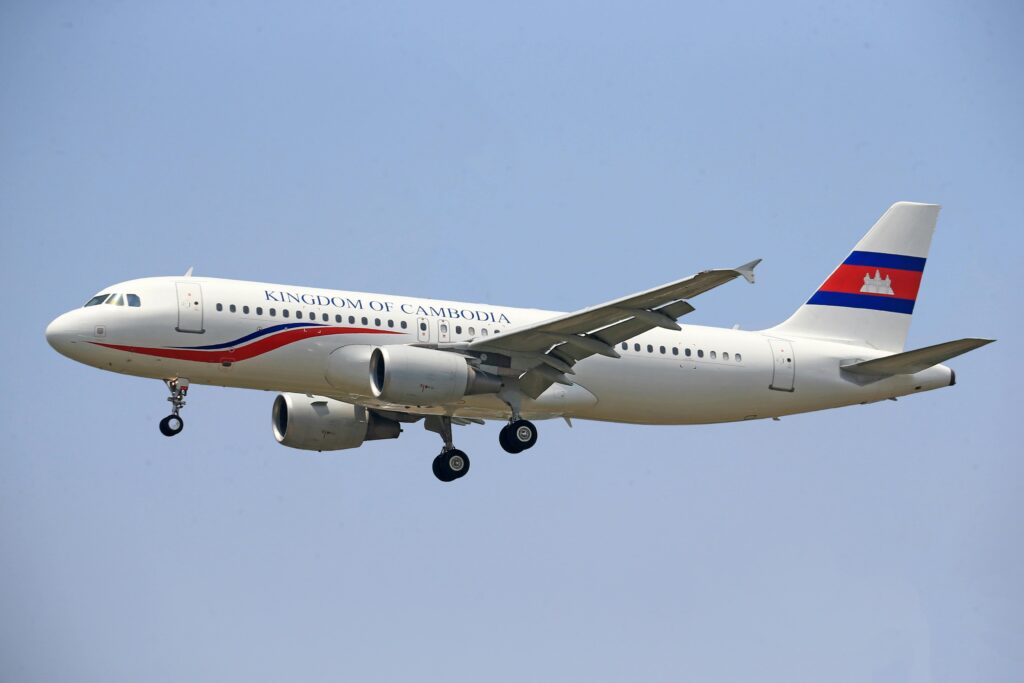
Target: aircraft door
[190,307]
[422,330]
[783,365]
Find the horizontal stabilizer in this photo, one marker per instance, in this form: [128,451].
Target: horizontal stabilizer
[909,362]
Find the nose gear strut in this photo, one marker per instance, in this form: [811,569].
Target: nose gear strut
[172,424]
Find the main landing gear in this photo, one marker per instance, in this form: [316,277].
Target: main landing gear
[517,436]
[172,424]
[452,463]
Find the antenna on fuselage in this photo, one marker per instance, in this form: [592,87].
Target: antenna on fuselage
[188,273]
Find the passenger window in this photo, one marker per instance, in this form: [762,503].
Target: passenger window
[245,309]
[739,358]
[404,325]
[497,332]
[713,356]
[725,355]
[625,346]
[273,312]
[337,318]
[365,321]
[259,310]
[376,322]
[391,323]
[458,329]
[96,300]
[675,350]
[423,327]
[351,320]
[231,308]
[472,332]
[661,349]
[687,353]
[650,348]
[134,301]
[284,312]
[444,328]
[700,353]
[483,331]
[636,347]
[220,307]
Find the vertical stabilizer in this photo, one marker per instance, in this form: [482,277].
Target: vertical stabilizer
[869,298]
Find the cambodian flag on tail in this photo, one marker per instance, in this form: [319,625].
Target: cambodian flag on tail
[869,297]
[868,279]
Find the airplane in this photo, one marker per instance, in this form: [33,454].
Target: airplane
[353,367]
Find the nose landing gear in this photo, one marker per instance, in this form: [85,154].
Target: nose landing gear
[173,424]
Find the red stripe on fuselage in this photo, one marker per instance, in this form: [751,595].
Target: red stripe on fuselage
[256,348]
[850,280]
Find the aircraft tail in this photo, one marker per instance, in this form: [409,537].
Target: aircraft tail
[869,298]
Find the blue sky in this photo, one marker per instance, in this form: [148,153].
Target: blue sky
[539,155]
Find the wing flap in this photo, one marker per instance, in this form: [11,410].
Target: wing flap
[909,362]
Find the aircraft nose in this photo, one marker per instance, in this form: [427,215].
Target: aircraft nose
[59,333]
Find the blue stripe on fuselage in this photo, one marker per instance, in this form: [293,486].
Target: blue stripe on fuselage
[249,337]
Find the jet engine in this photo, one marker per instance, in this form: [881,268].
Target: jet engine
[316,423]
[410,375]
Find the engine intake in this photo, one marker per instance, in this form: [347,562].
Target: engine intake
[410,375]
[316,423]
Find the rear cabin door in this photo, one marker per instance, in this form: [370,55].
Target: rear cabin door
[190,307]
[784,365]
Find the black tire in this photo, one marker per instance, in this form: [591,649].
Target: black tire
[523,434]
[171,425]
[451,465]
[507,440]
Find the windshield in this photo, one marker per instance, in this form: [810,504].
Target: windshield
[115,299]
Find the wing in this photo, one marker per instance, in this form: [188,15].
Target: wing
[543,353]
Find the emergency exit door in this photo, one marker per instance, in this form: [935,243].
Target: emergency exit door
[190,307]
[784,365]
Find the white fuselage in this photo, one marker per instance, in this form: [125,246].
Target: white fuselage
[228,333]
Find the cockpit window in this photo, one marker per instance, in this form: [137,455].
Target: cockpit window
[116,300]
[96,300]
[134,300]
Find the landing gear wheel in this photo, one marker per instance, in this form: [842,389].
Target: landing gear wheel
[507,440]
[171,425]
[451,465]
[518,436]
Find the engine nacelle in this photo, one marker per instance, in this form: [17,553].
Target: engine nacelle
[316,423]
[410,375]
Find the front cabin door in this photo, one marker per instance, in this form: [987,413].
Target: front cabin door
[190,307]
